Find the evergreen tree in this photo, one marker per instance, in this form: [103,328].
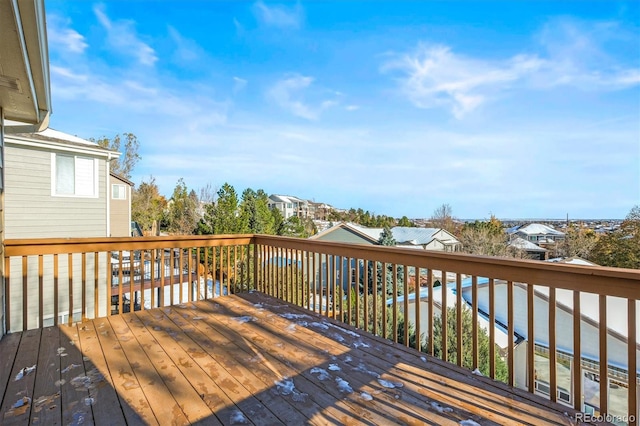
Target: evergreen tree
[386,237]
[222,216]
[182,216]
[501,369]
[404,221]
[255,216]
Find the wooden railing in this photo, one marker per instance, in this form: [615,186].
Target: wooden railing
[494,307]
[374,288]
[52,281]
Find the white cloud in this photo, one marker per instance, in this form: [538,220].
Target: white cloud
[187,50]
[278,15]
[352,107]
[122,36]
[435,76]
[289,92]
[68,39]
[239,84]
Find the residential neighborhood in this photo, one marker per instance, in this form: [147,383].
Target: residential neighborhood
[334,284]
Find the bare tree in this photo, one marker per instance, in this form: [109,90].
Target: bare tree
[128,146]
[208,193]
[442,217]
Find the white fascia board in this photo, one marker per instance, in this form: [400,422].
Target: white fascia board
[97,151]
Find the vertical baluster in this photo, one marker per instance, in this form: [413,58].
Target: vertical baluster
[199,274]
[7,292]
[417,305]
[84,286]
[152,276]
[314,257]
[235,269]
[492,329]
[395,301]
[531,345]
[445,320]
[25,292]
[181,275]
[218,274]
[576,371]
[142,277]
[405,277]
[96,284]
[70,273]
[383,292]
[459,351]
[55,289]
[40,291]
[553,364]
[305,279]
[297,269]
[431,312]
[230,288]
[334,284]
[375,297]
[358,292]
[109,283]
[341,289]
[162,272]
[349,278]
[172,269]
[632,380]
[474,325]
[510,332]
[366,294]
[604,358]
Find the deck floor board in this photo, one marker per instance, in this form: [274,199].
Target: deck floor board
[47,408]
[243,359]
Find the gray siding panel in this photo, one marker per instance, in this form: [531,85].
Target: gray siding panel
[120,222]
[31,211]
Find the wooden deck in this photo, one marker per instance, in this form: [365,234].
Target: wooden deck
[242,359]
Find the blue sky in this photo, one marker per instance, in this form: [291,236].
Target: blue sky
[517,109]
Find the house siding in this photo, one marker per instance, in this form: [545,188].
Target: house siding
[120,215]
[32,212]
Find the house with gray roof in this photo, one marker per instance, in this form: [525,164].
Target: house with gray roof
[406,237]
[537,233]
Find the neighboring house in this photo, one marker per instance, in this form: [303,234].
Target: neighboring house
[406,237]
[56,186]
[537,233]
[534,251]
[291,206]
[589,307]
[573,261]
[120,206]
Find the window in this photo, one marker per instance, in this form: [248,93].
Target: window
[118,192]
[74,176]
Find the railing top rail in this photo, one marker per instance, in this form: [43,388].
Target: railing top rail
[600,280]
[618,282]
[26,247]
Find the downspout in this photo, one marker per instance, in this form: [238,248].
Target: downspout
[108,195]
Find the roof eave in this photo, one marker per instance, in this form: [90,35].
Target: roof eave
[25,92]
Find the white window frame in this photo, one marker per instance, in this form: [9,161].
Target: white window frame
[95,184]
[124,191]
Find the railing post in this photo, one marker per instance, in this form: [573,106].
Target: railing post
[256,285]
